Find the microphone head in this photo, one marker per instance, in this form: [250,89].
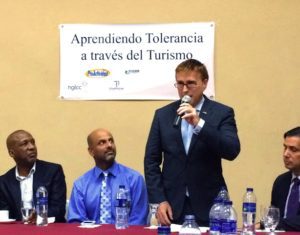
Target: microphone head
[186,99]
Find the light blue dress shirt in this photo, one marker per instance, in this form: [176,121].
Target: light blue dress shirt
[85,198]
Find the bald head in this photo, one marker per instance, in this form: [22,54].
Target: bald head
[21,147]
[12,139]
[101,147]
[91,137]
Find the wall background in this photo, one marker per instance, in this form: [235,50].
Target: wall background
[257,54]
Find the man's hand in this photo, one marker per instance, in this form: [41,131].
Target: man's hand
[164,213]
[189,113]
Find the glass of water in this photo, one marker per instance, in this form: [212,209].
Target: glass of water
[152,220]
[27,209]
[271,218]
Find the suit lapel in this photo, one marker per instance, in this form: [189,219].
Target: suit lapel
[36,181]
[204,112]
[14,188]
[177,130]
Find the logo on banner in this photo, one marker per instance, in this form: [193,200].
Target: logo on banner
[97,73]
[130,71]
[116,86]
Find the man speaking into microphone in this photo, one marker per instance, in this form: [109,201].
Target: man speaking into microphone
[187,141]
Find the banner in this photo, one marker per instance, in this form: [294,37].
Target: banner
[116,62]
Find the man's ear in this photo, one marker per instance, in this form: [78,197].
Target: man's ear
[91,152]
[11,153]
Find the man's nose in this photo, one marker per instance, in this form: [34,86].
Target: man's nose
[286,152]
[31,145]
[185,88]
[109,144]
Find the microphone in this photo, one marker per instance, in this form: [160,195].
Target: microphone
[185,99]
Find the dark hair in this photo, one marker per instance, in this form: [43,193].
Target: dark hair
[293,132]
[193,65]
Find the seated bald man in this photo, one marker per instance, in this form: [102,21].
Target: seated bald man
[86,197]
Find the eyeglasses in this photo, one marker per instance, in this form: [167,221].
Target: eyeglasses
[188,84]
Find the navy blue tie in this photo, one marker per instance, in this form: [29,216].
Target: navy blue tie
[293,202]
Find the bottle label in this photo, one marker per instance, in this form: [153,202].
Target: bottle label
[121,203]
[42,201]
[214,225]
[249,207]
[228,226]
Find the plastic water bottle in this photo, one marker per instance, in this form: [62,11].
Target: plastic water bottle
[121,209]
[128,197]
[249,211]
[41,206]
[215,217]
[228,219]
[223,194]
[189,227]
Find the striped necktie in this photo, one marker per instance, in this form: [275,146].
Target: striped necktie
[105,200]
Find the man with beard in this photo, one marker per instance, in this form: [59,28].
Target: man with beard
[285,192]
[87,196]
[21,182]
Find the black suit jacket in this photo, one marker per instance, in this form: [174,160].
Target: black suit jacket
[280,192]
[200,170]
[46,174]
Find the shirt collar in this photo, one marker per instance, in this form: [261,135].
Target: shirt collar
[21,178]
[113,170]
[199,105]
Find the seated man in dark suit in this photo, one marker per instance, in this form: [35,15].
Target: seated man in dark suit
[21,182]
[285,192]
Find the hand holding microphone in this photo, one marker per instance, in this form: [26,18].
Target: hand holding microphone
[185,99]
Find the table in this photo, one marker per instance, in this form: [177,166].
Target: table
[18,228]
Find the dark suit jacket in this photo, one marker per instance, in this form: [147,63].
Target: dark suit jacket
[47,174]
[200,170]
[280,192]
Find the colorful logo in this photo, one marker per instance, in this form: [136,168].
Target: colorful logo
[97,73]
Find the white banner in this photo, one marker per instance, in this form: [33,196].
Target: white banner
[109,62]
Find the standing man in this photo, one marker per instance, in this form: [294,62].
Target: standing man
[285,192]
[190,150]
[21,182]
[94,193]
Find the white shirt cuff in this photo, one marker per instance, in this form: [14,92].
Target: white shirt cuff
[199,126]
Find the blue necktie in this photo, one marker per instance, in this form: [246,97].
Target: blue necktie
[293,202]
[187,133]
[105,201]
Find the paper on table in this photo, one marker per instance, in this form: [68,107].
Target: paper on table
[89,225]
[51,220]
[264,231]
[176,228]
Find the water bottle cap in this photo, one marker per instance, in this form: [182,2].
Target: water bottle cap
[249,189]
[164,230]
[228,203]
[189,217]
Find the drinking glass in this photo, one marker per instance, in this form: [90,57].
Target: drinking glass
[27,209]
[152,220]
[262,212]
[271,218]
